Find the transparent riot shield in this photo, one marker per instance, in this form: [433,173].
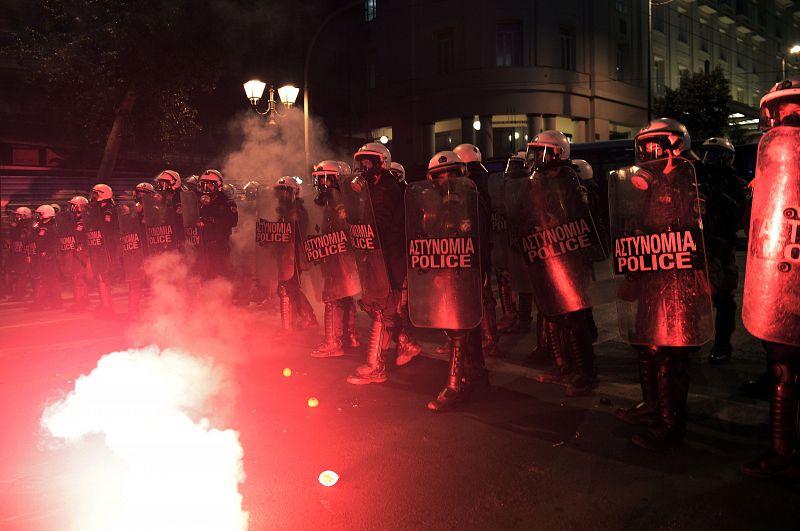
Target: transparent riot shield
[499,222]
[131,241]
[161,224]
[771,303]
[102,238]
[190,211]
[658,255]
[364,240]
[276,224]
[515,210]
[325,252]
[556,238]
[443,261]
[67,244]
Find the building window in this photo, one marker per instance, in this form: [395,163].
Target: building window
[739,53]
[740,94]
[683,28]
[568,49]
[705,36]
[659,74]
[620,64]
[741,7]
[371,75]
[444,52]
[707,67]
[658,18]
[621,6]
[370,9]
[509,44]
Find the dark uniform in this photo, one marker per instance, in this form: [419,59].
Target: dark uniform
[724,209]
[218,217]
[48,295]
[21,256]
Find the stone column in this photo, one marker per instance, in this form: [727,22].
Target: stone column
[484,137]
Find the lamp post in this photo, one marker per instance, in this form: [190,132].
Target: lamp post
[254,89]
[794,50]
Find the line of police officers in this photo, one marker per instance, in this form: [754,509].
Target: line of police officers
[422,254]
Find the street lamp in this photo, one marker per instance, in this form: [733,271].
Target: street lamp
[254,90]
[794,50]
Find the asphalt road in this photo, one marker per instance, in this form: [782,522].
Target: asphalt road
[521,456]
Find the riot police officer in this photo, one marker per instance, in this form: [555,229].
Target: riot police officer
[218,215]
[772,276]
[557,237]
[514,280]
[724,209]
[296,311]
[22,252]
[163,212]
[446,283]
[48,291]
[374,206]
[249,287]
[102,240]
[407,346]
[80,262]
[663,296]
[329,257]
[477,173]
[399,173]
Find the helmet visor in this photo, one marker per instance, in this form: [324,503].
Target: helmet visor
[367,162]
[208,186]
[540,154]
[717,157]
[446,172]
[323,180]
[780,111]
[653,147]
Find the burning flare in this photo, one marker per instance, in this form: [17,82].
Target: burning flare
[174,472]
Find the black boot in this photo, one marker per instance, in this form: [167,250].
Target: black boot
[593,333]
[541,353]
[723,330]
[523,325]
[564,370]
[578,346]
[673,388]
[287,319]
[348,334]
[509,318]
[331,346]
[489,330]
[375,369]
[782,461]
[644,413]
[454,393]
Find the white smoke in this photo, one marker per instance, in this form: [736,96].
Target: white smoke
[176,470]
[268,152]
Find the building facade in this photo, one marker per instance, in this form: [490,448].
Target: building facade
[438,73]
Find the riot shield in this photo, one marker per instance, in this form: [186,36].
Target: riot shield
[658,255]
[557,238]
[325,249]
[275,236]
[190,211]
[362,232]
[443,261]
[102,235]
[131,241]
[771,303]
[161,224]
[499,222]
[67,245]
[515,210]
